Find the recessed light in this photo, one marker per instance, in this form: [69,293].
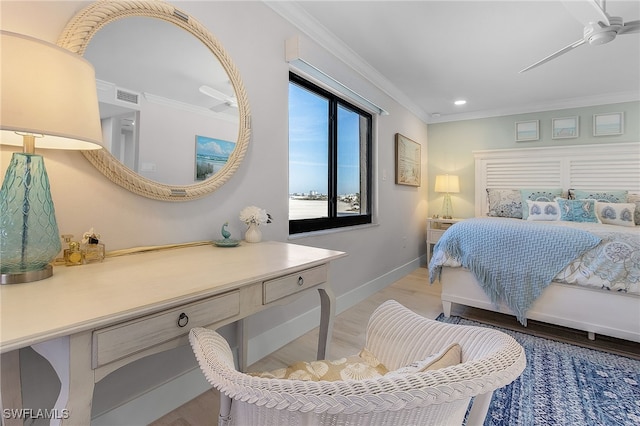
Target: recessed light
[460,102]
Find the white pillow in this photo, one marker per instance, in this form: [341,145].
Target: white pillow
[616,213]
[543,210]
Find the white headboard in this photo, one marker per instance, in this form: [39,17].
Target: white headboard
[602,167]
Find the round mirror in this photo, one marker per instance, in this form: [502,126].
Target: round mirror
[175,115]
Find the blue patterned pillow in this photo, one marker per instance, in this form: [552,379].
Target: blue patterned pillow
[577,210]
[604,196]
[542,210]
[616,213]
[635,198]
[547,195]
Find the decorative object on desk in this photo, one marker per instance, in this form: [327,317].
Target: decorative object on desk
[72,253]
[254,217]
[226,241]
[408,161]
[92,249]
[447,184]
[49,101]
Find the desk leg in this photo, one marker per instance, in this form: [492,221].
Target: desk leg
[242,344]
[70,357]
[327,313]
[11,387]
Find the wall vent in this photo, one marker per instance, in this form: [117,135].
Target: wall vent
[123,95]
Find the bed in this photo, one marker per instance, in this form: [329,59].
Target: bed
[598,307]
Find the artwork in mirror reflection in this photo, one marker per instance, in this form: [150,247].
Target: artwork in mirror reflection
[156,93]
[211,155]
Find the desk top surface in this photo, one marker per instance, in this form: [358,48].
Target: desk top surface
[80,298]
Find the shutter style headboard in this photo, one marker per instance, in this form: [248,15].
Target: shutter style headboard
[601,167]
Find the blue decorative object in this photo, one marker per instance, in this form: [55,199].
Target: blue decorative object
[29,233]
[226,242]
[565,384]
[578,210]
[225,234]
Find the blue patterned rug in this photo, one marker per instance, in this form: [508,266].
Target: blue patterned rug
[565,384]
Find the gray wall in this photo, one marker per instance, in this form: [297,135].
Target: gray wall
[254,37]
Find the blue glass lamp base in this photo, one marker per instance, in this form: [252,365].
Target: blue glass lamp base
[29,237]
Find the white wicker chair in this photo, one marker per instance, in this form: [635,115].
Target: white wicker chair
[396,336]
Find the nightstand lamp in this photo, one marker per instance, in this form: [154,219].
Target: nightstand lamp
[49,100]
[447,184]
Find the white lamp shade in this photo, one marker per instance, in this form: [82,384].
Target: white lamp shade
[48,91]
[447,183]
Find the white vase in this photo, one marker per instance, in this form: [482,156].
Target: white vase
[253,234]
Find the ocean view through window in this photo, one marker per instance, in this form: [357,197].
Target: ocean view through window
[329,159]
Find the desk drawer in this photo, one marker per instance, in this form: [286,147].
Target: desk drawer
[118,341]
[278,288]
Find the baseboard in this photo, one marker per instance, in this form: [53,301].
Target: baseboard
[167,397]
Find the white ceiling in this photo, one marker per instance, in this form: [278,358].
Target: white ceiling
[427,54]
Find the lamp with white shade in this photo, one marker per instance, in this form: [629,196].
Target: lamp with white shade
[447,184]
[49,100]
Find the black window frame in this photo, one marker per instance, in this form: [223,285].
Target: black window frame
[297,226]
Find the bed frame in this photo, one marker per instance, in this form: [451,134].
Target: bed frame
[602,166]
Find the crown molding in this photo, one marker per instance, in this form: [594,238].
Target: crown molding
[298,17]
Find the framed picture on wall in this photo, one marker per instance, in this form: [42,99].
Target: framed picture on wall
[211,155]
[608,124]
[527,130]
[565,128]
[407,161]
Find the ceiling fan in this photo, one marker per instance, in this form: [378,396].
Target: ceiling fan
[599,26]
[226,101]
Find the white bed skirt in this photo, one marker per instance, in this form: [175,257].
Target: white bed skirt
[592,310]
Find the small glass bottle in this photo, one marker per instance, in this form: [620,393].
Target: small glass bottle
[73,255]
[93,251]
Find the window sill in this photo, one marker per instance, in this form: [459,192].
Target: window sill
[331,231]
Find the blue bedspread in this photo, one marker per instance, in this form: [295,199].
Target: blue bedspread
[513,260]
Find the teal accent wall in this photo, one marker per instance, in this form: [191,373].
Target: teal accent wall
[450,145]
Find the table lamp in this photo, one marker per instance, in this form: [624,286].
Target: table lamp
[447,184]
[49,100]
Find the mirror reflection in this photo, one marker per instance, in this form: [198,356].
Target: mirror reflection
[168,108]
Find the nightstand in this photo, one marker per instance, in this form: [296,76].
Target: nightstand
[435,229]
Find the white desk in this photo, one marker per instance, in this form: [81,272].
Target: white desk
[90,320]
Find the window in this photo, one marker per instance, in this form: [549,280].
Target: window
[329,159]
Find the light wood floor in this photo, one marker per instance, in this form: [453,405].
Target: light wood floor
[413,291]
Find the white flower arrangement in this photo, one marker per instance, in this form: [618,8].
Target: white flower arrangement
[256,215]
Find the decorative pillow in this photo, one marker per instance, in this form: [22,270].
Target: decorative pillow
[616,213]
[451,355]
[605,196]
[542,210]
[538,195]
[635,198]
[504,203]
[577,210]
[357,367]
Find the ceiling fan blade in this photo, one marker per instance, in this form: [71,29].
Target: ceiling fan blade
[630,27]
[555,55]
[587,11]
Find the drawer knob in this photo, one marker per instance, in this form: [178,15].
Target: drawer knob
[183,320]
[300,281]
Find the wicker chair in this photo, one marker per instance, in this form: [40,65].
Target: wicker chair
[396,336]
